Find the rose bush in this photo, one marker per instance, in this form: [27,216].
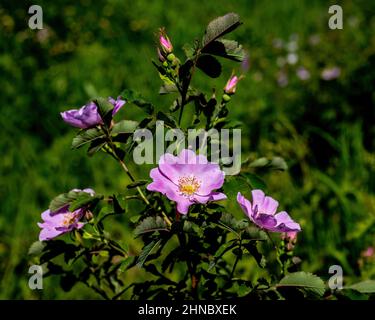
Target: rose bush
[181,217]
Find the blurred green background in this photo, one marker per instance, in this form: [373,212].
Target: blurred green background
[307,97]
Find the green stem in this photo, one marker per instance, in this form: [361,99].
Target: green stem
[126,169]
[236,261]
[277,253]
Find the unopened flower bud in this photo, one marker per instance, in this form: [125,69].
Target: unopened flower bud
[171,57]
[230,87]
[290,238]
[165,43]
[160,56]
[88,215]
[226,98]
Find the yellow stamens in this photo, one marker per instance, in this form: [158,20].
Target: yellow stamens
[188,185]
[68,219]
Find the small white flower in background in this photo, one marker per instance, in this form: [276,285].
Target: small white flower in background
[292,58]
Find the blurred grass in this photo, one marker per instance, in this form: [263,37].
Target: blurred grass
[324,129]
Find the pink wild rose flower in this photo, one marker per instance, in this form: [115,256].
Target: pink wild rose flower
[62,221]
[88,116]
[263,213]
[187,179]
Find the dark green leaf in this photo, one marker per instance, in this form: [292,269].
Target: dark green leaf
[221,251]
[254,181]
[228,49]
[68,198]
[125,126]
[105,109]
[168,88]
[87,136]
[82,200]
[220,26]
[367,286]
[306,281]
[151,224]
[209,65]
[36,248]
[189,51]
[146,251]
[276,163]
[96,146]
[167,118]
[137,99]
[251,246]
[125,264]
[68,281]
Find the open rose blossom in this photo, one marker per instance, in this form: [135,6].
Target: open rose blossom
[88,116]
[263,213]
[187,179]
[62,221]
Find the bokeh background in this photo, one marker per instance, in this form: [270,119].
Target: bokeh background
[308,97]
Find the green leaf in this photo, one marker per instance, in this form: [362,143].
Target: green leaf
[168,88]
[221,251]
[146,252]
[220,26]
[276,163]
[367,286]
[87,136]
[136,184]
[151,224]
[96,146]
[125,264]
[105,109]
[167,118]
[137,99]
[232,224]
[68,198]
[235,184]
[254,181]
[228,49]
[67,281]
[36,248]
[251,246]
[125,126]
[82,200]
[209,65]
[244,290]
[306,281]
[189,50]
